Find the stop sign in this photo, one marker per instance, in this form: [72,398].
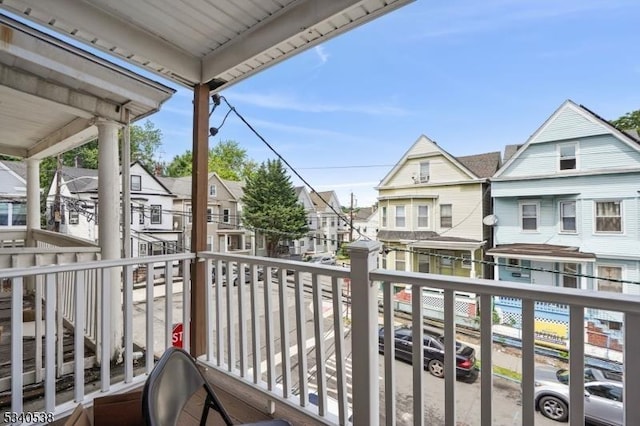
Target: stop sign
[176,335]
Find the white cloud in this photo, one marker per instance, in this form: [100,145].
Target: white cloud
[289,102]
[322,54]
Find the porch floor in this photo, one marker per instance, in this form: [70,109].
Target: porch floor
[29,347]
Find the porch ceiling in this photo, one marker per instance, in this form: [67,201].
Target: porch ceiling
[202,41]
[51,93]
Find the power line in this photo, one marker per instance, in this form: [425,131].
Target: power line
[493,263]
[293,170]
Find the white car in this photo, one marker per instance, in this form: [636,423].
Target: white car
[323,259]
[602,402]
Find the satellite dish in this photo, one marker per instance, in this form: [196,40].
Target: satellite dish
[490,220]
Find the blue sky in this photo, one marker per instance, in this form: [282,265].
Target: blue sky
[473,76]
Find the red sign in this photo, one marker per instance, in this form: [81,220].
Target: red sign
[176,335]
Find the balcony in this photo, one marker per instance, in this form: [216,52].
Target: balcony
[286,332]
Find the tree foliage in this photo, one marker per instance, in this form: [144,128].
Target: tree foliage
[227,159]
[629,121]
[272,207]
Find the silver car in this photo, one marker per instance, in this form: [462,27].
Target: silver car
[602,403]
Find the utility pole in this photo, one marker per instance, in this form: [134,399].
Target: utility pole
[57,214]
[351,219]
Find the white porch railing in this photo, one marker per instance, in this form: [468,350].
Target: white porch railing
[276,332]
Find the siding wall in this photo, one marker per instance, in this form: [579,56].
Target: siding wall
[569,124]
[603,152]
[466,201]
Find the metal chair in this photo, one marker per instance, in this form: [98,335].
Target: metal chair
[173,381]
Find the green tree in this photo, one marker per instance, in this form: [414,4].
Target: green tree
[271,206]
[181,165]
[227,159]
[230,161]
[629,121]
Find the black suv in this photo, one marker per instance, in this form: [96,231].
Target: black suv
[433,353]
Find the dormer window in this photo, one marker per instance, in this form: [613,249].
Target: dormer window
[568,157]
[424,172]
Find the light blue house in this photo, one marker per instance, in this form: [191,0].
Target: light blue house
[567,213]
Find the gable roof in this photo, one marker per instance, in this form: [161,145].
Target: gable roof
[479,166]
[19,168]
[79,179]
[482,165]
[509,151]
[235,187]
[363,213]
[180,186]
[321,199]
[587,114]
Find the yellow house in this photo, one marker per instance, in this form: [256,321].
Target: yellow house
[435,211]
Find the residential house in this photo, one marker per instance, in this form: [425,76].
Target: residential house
[566,209]
[431,210]
[13,195]
[306,244]
[224,226]
[332,222]
[153,230]
[365,223]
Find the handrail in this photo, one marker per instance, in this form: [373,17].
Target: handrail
[535,292]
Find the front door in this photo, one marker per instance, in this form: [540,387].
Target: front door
[541,277]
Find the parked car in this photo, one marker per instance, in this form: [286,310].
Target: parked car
[433,353]
[591,374]
[233,277]
[602,404]
[324,259]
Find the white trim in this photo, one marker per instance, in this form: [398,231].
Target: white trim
[532,257]
[520,216]
[560,217]
[576,156]
[623,274]
[418,216]
[395,216]
[594,216]
[568,104]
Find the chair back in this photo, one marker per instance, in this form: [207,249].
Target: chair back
[173,381]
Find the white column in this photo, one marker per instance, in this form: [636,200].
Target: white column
[33,198]
[126,189]
[366,372]
[472,273]
[109,222]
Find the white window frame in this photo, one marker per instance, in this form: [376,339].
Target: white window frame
[441,216]
[403,217]
[565,270]
[189,214]
[521,204]
[446,260]
[606,265]
[138,181]
[140,215]
[574,157]
[418,217]
[210,213]
[403,261]
[156,209]
[383,216]
[424,177]
[561,217]
[213,190]
[74,217]
[595,217]
[142,249]
[226,215]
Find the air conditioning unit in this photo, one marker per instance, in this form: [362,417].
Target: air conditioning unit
[424,178]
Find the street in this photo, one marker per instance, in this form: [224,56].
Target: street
[506,394]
